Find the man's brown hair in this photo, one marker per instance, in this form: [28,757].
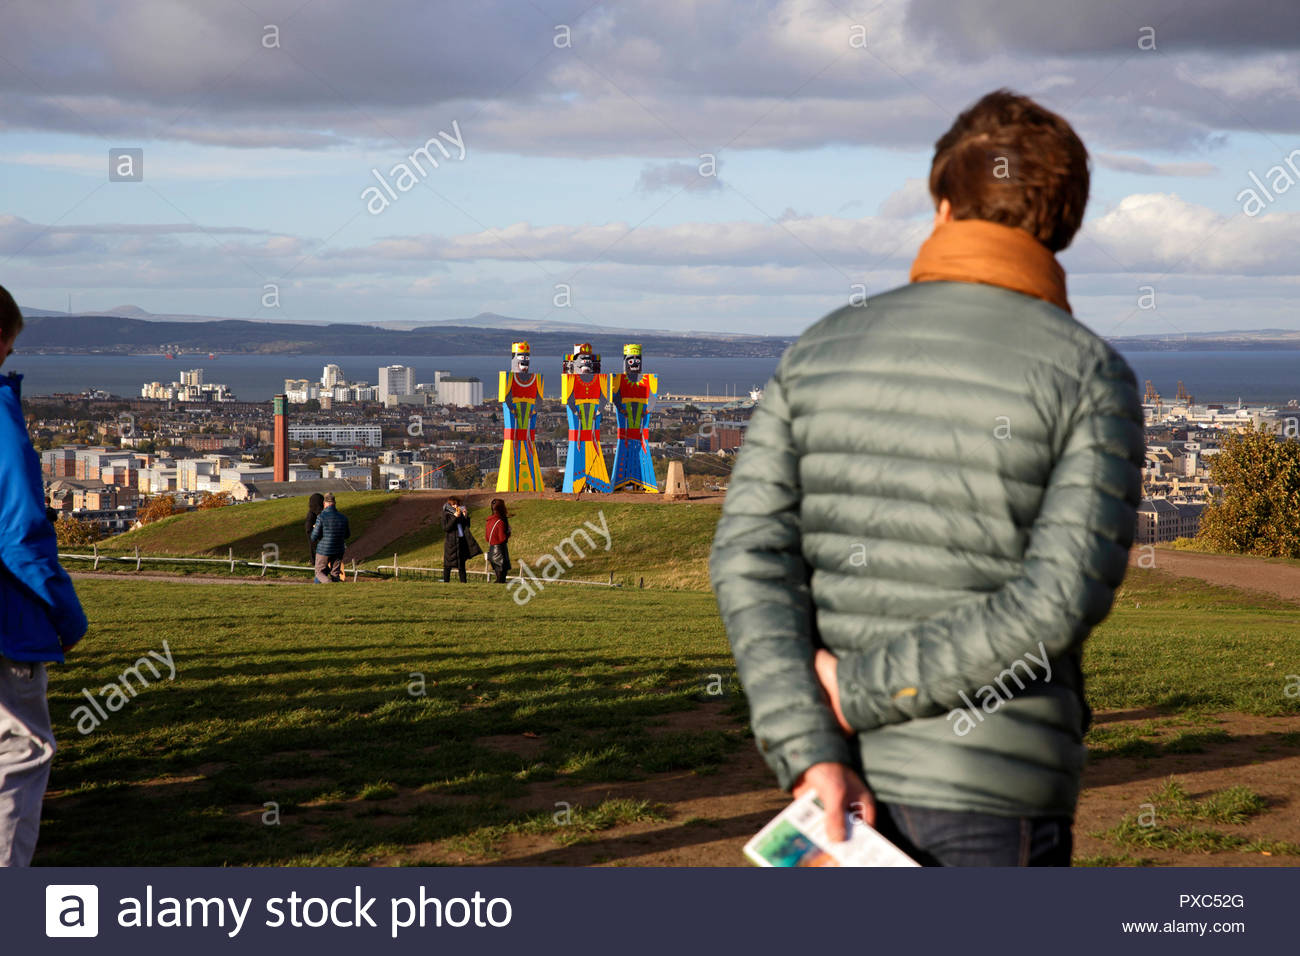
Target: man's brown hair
[11,317]
[1008,160]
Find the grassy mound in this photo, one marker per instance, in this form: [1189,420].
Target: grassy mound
[665,545]
[246,527]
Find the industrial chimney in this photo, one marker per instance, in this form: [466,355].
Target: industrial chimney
[281,439]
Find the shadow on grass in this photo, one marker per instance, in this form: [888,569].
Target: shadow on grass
[185,772]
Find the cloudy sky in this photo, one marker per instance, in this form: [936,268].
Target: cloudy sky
[711,165]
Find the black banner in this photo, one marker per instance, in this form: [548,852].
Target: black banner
[677,911]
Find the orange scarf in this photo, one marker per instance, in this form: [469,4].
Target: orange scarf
[976,250]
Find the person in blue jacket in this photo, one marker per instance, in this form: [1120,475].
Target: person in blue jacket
[40,616]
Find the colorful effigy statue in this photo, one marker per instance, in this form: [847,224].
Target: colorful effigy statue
[520,390]
[582,390]
[630,392]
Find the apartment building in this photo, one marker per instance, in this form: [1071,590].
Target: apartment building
[368,435]
[1160,520]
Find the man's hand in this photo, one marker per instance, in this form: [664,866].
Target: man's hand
[841,791]
[826,665]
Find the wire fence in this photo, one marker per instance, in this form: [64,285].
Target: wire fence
[398,569]
[230,563]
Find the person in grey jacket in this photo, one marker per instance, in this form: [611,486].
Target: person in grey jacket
[330,538]
[932,509]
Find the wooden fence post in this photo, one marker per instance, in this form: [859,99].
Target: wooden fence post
[95,567]
[396,574]
[137,557]
[231,555]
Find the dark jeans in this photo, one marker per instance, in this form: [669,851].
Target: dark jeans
[951,838]
[459,566]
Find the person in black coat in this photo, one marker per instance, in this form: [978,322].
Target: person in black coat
[459,545]
[315,505]
[330,537]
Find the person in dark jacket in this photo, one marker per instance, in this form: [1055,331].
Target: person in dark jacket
[330,536]
[40,617]
[459,544]
[932,509]
[315,505]
[498,533]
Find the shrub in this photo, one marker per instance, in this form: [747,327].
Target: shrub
[73,533]
[1258,511]
[163,506]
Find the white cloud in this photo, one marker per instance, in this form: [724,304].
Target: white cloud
[1162,233]
[908,200]
[1140,166]
[675,176]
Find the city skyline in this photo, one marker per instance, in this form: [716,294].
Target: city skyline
[727,168]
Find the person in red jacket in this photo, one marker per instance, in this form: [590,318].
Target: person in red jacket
[498,533]
[40,616]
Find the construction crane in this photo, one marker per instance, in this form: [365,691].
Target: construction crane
[422,479]
[1183,395]
[1152,397]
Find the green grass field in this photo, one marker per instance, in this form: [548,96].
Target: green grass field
[370,715]
[338,702]
[657,544]
[664,545]
[247,528]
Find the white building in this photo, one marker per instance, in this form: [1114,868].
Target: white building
[370,435]
[244,474]
[201,474]
[191,388]
[332,376]
[359,476]
[395,380]
[299,391]
[157,480]
[459,390]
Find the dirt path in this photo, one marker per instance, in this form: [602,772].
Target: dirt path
[409,513]
[184,578]
[709,817]
[1228,570]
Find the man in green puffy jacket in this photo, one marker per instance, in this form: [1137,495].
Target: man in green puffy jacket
[932,509]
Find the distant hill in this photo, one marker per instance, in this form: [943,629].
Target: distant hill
[73,334]
[484,320]
[1252,340]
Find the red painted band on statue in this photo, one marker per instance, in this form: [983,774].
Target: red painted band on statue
[519,434]
[633,434]
[585,434]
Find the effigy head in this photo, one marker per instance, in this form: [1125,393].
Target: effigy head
[584,360]
[632,361]
[520,357]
